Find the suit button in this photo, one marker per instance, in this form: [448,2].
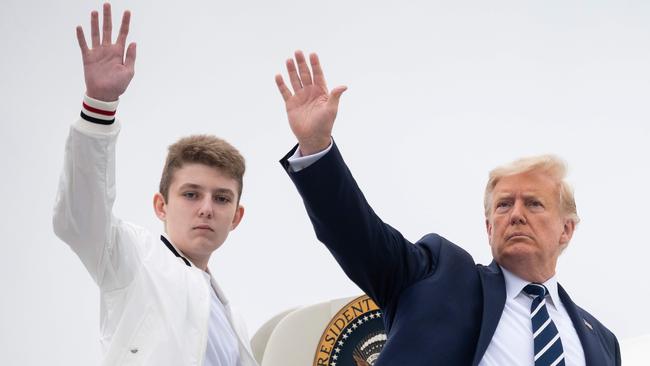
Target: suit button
[134,350]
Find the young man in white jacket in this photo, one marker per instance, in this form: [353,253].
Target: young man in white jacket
[159,303]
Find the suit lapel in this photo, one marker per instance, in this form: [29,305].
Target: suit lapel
[588,337]
[494,300]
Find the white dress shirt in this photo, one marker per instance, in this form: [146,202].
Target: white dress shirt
[512,342]
[299,162]
[222,348]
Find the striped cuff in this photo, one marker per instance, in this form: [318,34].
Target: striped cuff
[97,111]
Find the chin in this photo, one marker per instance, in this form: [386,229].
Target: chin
[208,245]
[202,244]
[516,251]
[517,256]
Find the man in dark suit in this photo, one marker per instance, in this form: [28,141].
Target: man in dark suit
[440,307]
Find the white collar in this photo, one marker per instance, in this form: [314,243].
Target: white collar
[515,286]
[208,277]
[206,274]
[177,252]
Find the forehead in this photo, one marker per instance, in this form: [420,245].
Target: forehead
[530,183]
[202,175]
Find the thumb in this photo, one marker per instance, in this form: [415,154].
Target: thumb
[335,95]
[129,61]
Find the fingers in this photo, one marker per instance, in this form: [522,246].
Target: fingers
[107,29]
[293,76]
[124,28]
[81,38]
[319,77]
[305,75]
[302,77]
[335,96]
[107,25]
[286,93]
[129,60]
[94,28]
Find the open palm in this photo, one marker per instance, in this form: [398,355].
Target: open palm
[310,108]
[106,71]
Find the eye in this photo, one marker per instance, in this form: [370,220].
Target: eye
[190,195]
[222,199]
[502,206]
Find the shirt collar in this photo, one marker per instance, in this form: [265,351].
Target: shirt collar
[217,290]
[206,274]
[168,243]
[516,284]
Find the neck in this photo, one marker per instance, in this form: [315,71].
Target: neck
[201,263]
[530,273]
[198,261]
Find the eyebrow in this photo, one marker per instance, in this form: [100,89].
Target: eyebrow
[199,187]
[525,195]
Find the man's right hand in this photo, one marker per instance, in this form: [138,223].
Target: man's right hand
[310,108]
[106,71]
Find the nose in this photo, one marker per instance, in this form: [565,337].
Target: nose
[517,215]
[205,210]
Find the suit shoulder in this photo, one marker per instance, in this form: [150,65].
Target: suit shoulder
[607,337]
[437,243]
[442,250]
[595,324]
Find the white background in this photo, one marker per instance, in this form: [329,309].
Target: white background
[439,93]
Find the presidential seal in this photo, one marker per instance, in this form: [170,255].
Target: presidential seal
[354,337]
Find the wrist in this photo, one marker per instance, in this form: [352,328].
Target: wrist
[310,147]
[98,111]
[101,94]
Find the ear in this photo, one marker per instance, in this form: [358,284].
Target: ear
[567,232]
[239,214]
[488,228]
[159,206]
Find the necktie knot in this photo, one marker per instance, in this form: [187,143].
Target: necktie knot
[536,290]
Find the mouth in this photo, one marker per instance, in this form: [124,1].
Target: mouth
[203,227]
[517,235]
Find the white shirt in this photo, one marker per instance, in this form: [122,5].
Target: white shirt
[222,348]
[512,342]
[299,162]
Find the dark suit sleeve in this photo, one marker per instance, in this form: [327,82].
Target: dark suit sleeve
[373,254]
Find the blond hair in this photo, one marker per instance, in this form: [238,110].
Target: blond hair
[551,165]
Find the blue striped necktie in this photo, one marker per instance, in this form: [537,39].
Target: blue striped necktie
[548,345]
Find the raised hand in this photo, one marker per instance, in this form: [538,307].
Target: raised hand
[106,71]
[310,108]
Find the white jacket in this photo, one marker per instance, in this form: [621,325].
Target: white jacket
[154,308]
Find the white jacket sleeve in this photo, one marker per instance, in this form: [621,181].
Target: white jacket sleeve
[83,215]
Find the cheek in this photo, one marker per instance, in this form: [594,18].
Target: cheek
[495,226]
[227,221]
[179,219]
[496,235]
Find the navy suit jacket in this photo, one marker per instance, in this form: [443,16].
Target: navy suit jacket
[440,308]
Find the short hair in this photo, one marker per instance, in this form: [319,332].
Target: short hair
[207,150]
[551,165]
